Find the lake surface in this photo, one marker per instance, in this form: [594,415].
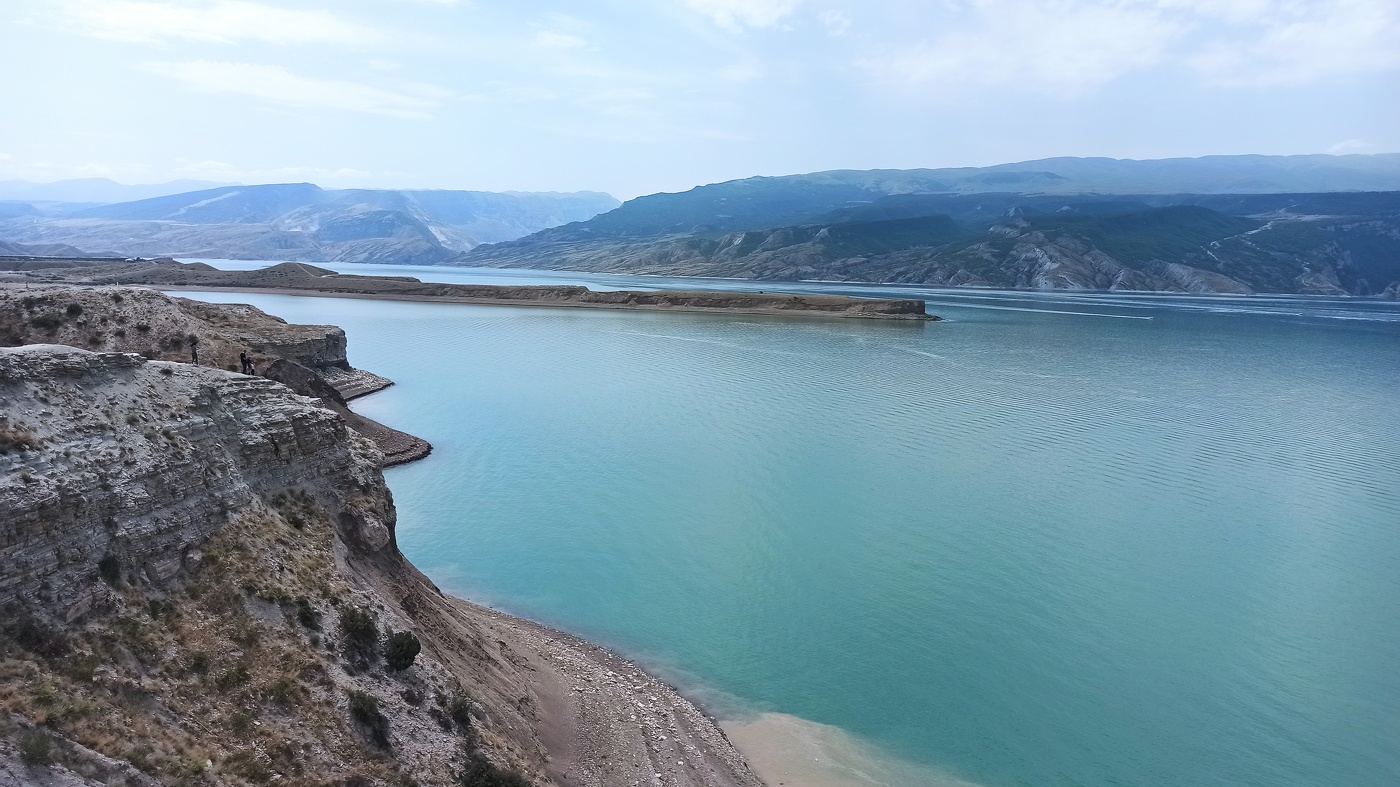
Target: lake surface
[1055,540]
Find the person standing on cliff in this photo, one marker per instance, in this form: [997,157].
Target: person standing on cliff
[243,364]
[194,349]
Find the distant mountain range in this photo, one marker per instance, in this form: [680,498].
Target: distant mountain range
[1230,224]
[300,221]
[95,190]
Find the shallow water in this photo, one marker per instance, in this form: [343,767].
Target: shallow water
[1057,539]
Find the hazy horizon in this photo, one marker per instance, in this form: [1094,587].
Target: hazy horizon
[632,98]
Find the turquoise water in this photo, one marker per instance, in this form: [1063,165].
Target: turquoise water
[1055,540]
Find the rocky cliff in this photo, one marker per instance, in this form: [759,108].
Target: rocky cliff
[200,581]
[310,359]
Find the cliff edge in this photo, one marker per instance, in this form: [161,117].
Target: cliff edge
[309,359]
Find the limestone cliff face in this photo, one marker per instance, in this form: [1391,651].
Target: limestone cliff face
[142,461]
[199,580]
[309,359]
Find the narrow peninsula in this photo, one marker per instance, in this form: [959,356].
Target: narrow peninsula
[302,279]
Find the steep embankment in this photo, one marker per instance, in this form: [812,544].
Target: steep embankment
[310,359]
[200,580]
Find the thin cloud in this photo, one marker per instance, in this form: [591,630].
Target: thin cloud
[1071,47]
[550,40]
[734,15]
[278,85]
[223,171]
[1352,146]
[1068,47]
[1298,44]
[209,21]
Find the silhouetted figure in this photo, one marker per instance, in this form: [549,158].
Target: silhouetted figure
[194,349]
[243,363]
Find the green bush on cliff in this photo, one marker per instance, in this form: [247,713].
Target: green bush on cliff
[34,635]
[400,650]
[36,748]
[358,631]
[365,710]
[480,772]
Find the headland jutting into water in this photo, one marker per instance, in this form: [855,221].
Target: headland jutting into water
[204,533]
[302,279]
[202,582]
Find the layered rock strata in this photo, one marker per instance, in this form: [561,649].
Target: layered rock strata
[310,359]
[185,551]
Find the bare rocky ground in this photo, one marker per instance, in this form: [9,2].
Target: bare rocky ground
[187,552]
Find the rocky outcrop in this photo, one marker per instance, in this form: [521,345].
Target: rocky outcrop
[141,474]
[310,359]
[186,550]
[143,321]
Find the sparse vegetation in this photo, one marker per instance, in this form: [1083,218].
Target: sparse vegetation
[400,649]
[46,322]
[74,310]
[35,636]
[358,631]
[481,772]
[459,709]
[365,710]
[14,438]
[307,615]
[36,748]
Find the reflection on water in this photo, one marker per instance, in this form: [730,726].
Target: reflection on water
[1033,547]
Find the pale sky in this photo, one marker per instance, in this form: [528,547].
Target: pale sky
[634,97]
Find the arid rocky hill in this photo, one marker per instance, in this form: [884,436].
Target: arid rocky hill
[903,227]
[200,584]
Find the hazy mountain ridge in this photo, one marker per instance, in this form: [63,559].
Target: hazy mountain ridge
[304,222]
[1336,244]
[96,190]
[767,202]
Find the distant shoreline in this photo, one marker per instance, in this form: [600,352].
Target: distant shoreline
[489,301]
[294,278]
